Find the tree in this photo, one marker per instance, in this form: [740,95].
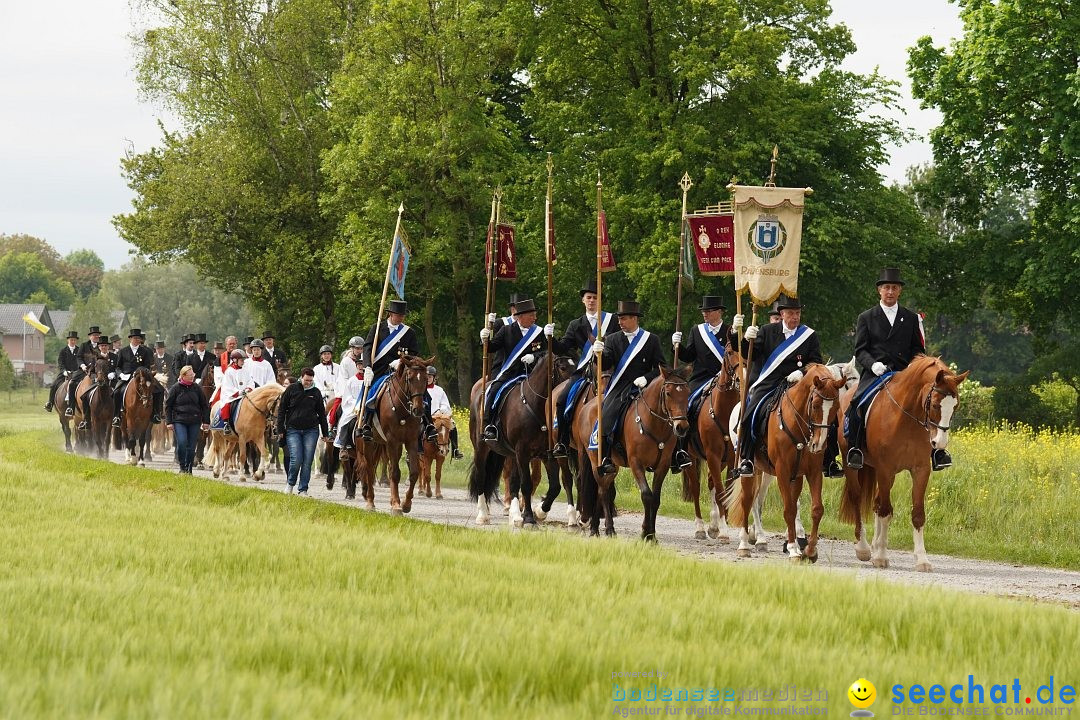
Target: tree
[85,258]
[24,278]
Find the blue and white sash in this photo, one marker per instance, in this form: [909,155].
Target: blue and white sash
[711,341]
[586,354]
[389,341]
[527,339]
[781,353]
[508,320]
[630,353]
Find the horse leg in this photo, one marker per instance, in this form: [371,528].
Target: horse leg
[879,546]
[528,484]
[691,481]
[648,527]
[607,496]
[790,491]
[919,480]
[551,467]
[332,454]
[412,459]
[759,503]
[659,474]
[717,519]
[438,478]
[425,475]
[817,511]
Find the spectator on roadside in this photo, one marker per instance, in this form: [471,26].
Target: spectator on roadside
[301,417]
[186,413]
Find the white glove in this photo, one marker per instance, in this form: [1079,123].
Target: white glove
[598,347]
[878,368]
[492,317]
[738,321]
[549,329]
[794,376]
[198,381]
[485,335]
[83,366]
[112,376]
[394,364]
[67,373]
[528,358]
[676,337]
[125,376]
[640,382]
[751,332]
[369,376]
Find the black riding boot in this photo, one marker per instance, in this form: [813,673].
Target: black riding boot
[853,434]
[829,467]
[455,452]
[680,458]
[73,388]
[159,400]
[118,405]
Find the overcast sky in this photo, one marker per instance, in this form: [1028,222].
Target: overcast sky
[70,108]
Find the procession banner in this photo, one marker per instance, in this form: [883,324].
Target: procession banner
[713,240]
[399,264]
[506,254]
[607,259]
[768,238]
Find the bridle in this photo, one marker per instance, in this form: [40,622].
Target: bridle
[927,423]
[804,422]
[401,391]
[541,397]
[666,418]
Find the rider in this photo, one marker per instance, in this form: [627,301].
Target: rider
[88,352]
[235,382]
[515,345]
[182,358]
[578,338]
[68,363]
[225,357]
[327,373]
[162,364]
[130,358]
[260,370]
[635,357]
[704,348]
[438,404]
[201,357]
[887,337]
[395,339]
[784,350]
[349,392]
[275,355]
[352,360]
[104,352]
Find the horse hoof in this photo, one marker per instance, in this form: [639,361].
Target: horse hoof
[142,463]
[427,493]
[370,506]
[438,496]
[406,508]
[396,512]
[863,554]
[742,552]
[482,520]
[762,546]
[714,533]
[882,563]
[541,516]
[699,535]
[924,567]
[812,558]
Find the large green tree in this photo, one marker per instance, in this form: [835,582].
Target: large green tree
[24,278]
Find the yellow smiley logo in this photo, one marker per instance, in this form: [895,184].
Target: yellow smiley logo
[862,693]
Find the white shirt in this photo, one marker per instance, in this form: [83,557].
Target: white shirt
[788,332]
[439,402]
[326,379]
[715,328]
[234,382]
[261,372]
[350,393]
[890,312]
[348,365]
[631,335]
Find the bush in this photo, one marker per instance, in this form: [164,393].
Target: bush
[1059,402]
[976,405]
[7,372]
[1051,403]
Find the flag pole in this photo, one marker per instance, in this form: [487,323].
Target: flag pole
[599,323]
[489,260]
[685,183]
[382,301]
[548,246]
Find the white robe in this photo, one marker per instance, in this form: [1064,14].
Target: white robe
[350,393]
[327,378]
[234,382]
[440,403]
[348,366]
[261,372]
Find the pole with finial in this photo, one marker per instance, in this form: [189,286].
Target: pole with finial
[685,183]
[549,247]
[599,322]
[772,167]
[382,301]
[489,260]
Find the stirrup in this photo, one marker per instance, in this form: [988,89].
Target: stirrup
[457,454]
[365,433]
[606,467]
[491,433]
[559,451]
[84,425]
[940,459]
[746,468]
[116,421]
[156,419]
[832,469]
[855,458]
[48,407]
[69,412]
[680,459]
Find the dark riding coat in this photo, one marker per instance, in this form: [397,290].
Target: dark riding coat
[406,343]
[504,341]
[199,365]
[706,364]
[646,363]
[893,345]
[69,360]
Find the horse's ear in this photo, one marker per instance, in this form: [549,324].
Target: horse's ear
[819,382]
[685,371]
[665,370]
[962,376]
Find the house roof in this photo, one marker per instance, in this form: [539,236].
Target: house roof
[11,317]
[61,321]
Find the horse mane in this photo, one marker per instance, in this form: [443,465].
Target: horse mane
[918,367]
[266,389]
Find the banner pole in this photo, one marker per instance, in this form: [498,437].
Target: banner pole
[685,183]
[548,222]
[382,301]
[599,323]
[489,261]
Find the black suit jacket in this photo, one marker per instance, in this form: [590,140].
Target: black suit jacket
[163,365]
[694,350]
[88,352]
[197,365]
[771,337]
[500,346]
[645,364]
[129,361]
[406,343]
[277,359]
[69,360]
[579,334]
[877,341]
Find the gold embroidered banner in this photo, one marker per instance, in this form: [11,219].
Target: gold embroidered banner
[768,239]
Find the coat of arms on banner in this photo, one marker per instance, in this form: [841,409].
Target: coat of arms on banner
[767,237]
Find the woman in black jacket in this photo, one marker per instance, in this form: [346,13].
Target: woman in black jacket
[300,418]
[186,413]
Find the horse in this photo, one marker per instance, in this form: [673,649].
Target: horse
[710,441]
[138,405]
[257,408]
[59,400]
[651,424]
[399,408]
[100,409]
[907,420]
[435,452]
[206,384]
[798,431]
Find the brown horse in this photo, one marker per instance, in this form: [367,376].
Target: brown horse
[710,440]
[59,400]
[650,427]
[798,432]
[435,452]
[256,410]
[96,439]
[138,406]
[523,419]
[907,420]
[399,409]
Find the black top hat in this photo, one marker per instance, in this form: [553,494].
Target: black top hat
[159,344]
[588,287]
[135,332]
[248,339]
[788,303]
[890,275]
[773,310]
[105,341]
[94,330]
[524,305]
[267,335]
[72,334]
[515,298]
[629,307]
[399,307]
[712,302]
[201,337]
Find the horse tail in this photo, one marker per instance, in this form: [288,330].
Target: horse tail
[857,497]
[484,474]
[117,438]
[733,501]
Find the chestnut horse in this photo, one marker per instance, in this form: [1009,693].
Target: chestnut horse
[100,409]
[650,426]
[399,409]
[798,431]
[710,440]
[907,420]
[523,419]
[138,406]
[435,452]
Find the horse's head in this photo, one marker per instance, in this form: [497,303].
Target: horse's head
[443,424]
[102,367]
[412,375]
[729,371]
[562,369]
[674,397]
[942,397]
[823,394]
[848,372]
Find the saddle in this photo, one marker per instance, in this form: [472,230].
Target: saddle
[573,399]
[759,419]
[225,413]
[697,401]
[860,404]
[501,395]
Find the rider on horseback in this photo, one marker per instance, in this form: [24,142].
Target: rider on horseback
[437,403]
[636,357]
[88,352]
[67,364]
[104,353]
[395,339]
[235,382]
[134,356]
[328,373]
[784,349]
[260,370]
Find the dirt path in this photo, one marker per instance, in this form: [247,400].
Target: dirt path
[1018,581]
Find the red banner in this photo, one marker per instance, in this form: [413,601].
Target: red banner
[506,258]
[713,238]
[549,234]
[607,259]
